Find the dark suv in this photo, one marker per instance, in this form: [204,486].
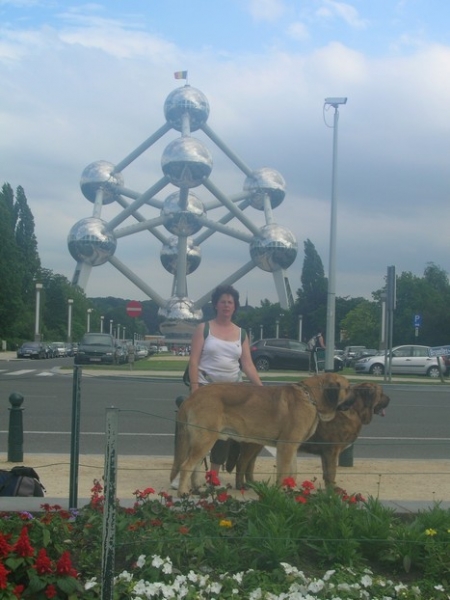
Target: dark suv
[282,353]
[99,348]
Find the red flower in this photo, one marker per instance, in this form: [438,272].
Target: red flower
[301,499]
[184,530]
[50,591]
[212,478]
[3,576]
[64,566]
[289,482]
[144,494]
[23,547]
[5,548]
[17,591]
[308,485]
[223,497]
[43,563]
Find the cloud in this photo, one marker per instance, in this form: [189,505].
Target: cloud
[266,10]
[298,31]
[342,10]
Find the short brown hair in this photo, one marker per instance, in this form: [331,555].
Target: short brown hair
[225,289]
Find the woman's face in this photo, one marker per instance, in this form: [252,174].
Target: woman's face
[225,305]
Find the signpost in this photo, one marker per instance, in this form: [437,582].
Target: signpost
[439,351]
[134,308]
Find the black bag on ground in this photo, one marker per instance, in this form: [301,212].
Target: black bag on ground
[20,481]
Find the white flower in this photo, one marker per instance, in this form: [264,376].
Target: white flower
[157,561]
[238,577]
[439,588]
[90,583]
[401,586]
[316,586]
[192,576]
[255,595]
[329,574]
[167,567]
[125,576]
[366,581]
[343,587]
[140,561]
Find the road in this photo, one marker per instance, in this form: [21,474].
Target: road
[415,425]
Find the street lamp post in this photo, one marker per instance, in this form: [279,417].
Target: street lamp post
[110,326]
[277,328]
[300,327]
[102,318]
[37,334]
[331,297]
[88,324]
[69,319]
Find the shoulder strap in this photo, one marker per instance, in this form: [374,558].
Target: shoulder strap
[243,334]
[206,330]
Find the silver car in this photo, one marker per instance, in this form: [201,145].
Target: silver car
[406,360]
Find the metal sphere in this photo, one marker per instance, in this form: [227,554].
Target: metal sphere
[182,220]
[180,317]
[169,256]
[186,162]
[90,242]
[97,175]
[186,100]
[265,182]
[274,248]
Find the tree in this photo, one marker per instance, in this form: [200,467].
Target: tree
[312,297]
[11,302]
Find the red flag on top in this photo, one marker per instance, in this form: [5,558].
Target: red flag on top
[180,74]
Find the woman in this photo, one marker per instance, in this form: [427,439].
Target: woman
[219,351]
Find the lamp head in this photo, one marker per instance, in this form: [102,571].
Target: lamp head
[335,101]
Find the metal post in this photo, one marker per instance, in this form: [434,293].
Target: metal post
[75,437]
[331,298]
[69,319]
[37,334]
[15,434]
[88,324]
[261,327]
[346,457]
[109,514]
[300,327]
[277,328]
[110,327]
[102,318]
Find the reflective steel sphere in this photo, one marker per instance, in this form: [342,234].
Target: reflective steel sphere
[179,309]
[186,162]
[190,100]
[264,182]
[179,220]
[90,242]
[274,248]
[169,256]
[99,174]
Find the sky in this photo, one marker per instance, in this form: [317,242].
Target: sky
[83,82]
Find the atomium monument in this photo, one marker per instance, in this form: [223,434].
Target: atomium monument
[184,221]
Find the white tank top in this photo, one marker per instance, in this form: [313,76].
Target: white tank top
[219,360]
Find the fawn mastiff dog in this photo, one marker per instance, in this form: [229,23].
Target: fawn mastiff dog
[281,416]
[329,439]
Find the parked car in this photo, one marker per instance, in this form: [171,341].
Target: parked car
[99,348]
[349,353]
[283,353]
[50,352]
[121,354]
[406,360]
[70,349]
[59,349]
[31,350]
[363,354]
[141,352]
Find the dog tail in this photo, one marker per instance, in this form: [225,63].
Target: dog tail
[181,448]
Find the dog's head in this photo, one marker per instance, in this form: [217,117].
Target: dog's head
[329,391]
[367,399]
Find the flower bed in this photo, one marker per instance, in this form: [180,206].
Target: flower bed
[293,542]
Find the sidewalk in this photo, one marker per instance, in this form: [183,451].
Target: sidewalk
[403,484]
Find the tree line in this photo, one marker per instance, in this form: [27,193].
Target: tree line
[358,320]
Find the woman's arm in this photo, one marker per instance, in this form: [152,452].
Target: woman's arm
[196,351]
[247,363]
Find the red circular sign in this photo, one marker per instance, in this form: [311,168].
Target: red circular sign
[134,308]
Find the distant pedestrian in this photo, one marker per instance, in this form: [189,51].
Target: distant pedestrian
[131,356]
[315,343]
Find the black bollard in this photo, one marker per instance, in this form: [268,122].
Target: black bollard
[15,433]
[346,457]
